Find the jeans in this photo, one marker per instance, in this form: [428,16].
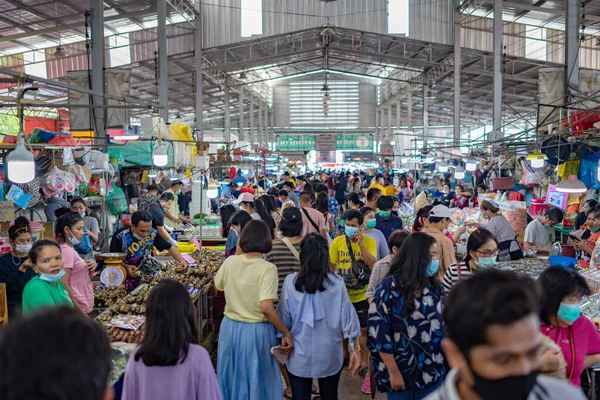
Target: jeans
[412,394]
[302,387]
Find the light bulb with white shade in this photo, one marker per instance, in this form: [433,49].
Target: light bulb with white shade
[160,156]
[213,189]
[20,162]
[459,173]
[471,165]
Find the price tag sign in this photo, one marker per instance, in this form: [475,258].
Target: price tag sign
[195,241]
[7,211]
[188,259]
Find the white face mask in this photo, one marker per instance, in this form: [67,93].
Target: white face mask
[22,248]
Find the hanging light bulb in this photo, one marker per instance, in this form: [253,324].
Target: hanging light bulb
[20,162]
[571,185]
[470,165]
[160,156]
[459,173]
[443,166]
[152,173]
[537,159]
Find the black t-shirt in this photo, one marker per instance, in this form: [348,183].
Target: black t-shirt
[15,281]
[158,215]
[340,191]
[183,200]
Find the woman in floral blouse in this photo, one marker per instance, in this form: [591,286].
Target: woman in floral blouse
[405,327]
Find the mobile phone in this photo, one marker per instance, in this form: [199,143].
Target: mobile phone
[574,237]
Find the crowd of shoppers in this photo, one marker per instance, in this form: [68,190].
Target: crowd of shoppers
[315,280]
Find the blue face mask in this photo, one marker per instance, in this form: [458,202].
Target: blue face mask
[52,278]
[138,237]
[486,262]
[74,240]
[432,268]
[569,312]
[351,231]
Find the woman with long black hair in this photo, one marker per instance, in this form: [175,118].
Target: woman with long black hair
[405,326]
[316,308]
[322,205]
[260,208]
[269,203]
[170,363]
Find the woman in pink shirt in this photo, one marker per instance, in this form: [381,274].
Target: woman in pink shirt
[560,312]
[69,231]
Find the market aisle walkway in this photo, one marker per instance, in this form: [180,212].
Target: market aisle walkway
[350,389]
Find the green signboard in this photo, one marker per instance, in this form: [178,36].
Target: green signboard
[307,142]
[355,142]
[295,142]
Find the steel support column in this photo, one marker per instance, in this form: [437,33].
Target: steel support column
[409,111]
[457,72]
[425,119]
[99,112]
[571,48]
[398,114]
[497,77]
[389,123]
[199,80]
[260,125]
[163,69]
[227,122]
[266,124]
[241,135]
[252,127]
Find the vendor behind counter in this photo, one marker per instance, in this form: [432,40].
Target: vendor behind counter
[137,240]
[540,232]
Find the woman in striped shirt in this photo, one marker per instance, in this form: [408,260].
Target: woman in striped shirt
[482,250]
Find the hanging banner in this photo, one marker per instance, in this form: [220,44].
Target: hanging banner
[295,142]
[79,117]
[117,84]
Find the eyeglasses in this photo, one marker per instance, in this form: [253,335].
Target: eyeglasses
[487,253]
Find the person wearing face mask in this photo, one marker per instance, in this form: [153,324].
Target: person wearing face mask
[370,230]
[46,289]
[540,234]
[396,207]
[562,321]
[77,271]
[364,248]
[136,241]
[386,221]
[238,222]
[482,249]
[381,269]
[437,227]
[405,324]
[493,343]
[499,226]
[15,269]
[587,241]
[158,212]
[90,229]
[447,195]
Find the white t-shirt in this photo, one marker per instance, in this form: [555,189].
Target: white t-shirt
[539,235]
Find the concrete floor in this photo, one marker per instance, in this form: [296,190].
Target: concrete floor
[349,389]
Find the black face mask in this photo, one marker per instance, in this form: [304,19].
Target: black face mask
[512,387]
[395,213]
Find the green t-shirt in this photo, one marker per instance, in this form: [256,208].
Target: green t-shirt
[39,293]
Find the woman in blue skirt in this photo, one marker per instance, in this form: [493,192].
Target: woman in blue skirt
[245,368]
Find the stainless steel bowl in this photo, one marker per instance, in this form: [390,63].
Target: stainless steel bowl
[113,256]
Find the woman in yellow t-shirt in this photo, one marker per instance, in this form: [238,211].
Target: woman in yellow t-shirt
[245,368]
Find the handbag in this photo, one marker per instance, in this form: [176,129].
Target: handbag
[505,254]
[360,271]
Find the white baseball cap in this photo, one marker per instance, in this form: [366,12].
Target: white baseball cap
[441,211]
[247,197]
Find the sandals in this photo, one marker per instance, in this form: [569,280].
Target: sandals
[363,371]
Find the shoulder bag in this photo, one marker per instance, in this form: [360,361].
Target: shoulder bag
[311,220]
[360,271]
[290,246]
